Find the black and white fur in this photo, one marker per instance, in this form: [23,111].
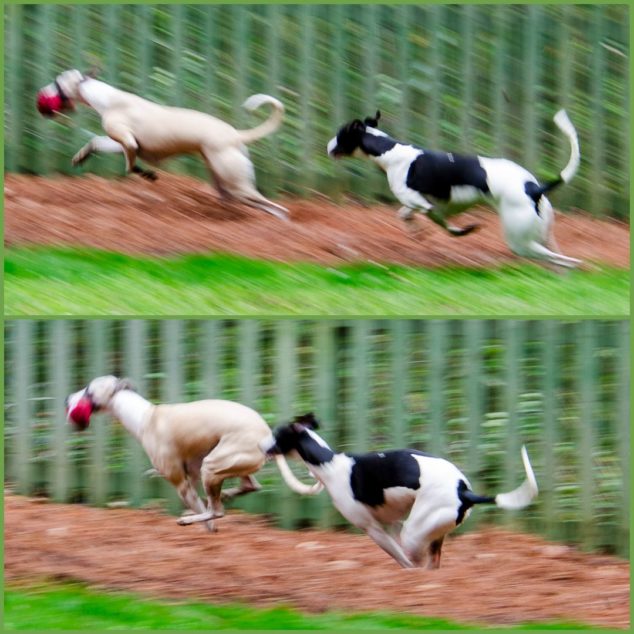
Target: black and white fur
[442,184]
[405,500]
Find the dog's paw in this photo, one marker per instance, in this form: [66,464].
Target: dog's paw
[464,231]
[79,158]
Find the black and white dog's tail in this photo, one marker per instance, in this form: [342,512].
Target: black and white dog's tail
[516,499]
[563,122]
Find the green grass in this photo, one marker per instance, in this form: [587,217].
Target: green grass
[74,607]
[45,281]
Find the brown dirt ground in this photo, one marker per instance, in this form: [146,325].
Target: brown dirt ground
[178,214]
[491,576]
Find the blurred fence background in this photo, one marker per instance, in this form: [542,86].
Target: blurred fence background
[463,77]
[472,391]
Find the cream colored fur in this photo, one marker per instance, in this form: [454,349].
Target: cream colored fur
[203,441]
[141,128]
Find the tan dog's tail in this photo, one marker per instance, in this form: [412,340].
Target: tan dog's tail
[267,127]
[293,482]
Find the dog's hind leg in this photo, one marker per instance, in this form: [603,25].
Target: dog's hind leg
[438,218]
[255,199]
[389,545]
[233,172]
[435,549]
[248,484]
[540,252]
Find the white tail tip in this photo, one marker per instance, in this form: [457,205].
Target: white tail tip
[563,122]
[255,101]
[525,493]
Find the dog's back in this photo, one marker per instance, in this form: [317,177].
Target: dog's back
[195,428]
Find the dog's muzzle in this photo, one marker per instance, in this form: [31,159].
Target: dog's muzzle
[49,104]
[51,99]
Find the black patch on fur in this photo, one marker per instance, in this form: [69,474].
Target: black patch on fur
[467,499]
[374,145]
[374,472]
[349,138]
[534,192]
[435,173]
[295,437]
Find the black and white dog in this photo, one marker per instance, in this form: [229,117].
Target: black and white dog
[442,184]
[377,491]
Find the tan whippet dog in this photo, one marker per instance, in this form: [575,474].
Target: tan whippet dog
[207,441]
[141,128]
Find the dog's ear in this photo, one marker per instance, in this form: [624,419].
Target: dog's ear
[305,420]
[125,384]
[93,72]
[373,122]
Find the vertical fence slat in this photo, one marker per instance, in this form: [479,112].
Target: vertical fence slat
[286,387]
[59,377]
[14,15]
[550,331]
[98,344]
[135,367]
[326,389]
[587,412]
[513,341]
[623,433]
[21,386]
[437,337]
[597,151]
[172,387]
[399,330]
[249,361]
[211,347]
[474,338]
[359,416]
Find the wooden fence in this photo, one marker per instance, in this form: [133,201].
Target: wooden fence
[472,391]
[468,78]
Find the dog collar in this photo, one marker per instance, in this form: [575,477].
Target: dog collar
[63,96]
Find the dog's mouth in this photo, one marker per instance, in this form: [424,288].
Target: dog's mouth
[50,104]
[80,412]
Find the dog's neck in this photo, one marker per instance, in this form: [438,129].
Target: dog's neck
[383,149]
[132,410]
[97,94]
[313,449]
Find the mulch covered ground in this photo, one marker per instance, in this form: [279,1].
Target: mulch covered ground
[492,576]
[178,214]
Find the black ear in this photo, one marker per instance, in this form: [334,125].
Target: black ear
[307,420]
[373,122]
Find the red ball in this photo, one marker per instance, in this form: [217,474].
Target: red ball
[48,104]
[80,414]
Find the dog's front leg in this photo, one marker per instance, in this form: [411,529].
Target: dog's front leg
[187,493]
[121,133]
[389,545]
[102,144]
